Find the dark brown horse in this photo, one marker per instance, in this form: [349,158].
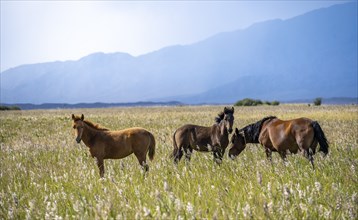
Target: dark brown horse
[106,144]
[194,137]
[295,135]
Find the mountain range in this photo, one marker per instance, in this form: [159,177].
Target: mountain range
[311,55]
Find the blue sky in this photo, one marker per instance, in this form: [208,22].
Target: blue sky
[44,31]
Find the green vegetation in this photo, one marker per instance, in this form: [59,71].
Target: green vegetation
[254,102]
[6,108]
[45,174]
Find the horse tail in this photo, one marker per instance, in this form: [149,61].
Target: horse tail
[176,149]
[151,151]
[320,137]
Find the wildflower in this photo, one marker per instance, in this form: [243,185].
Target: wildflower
[303,207]
[158,195]
[146,212]
[266,208]
[199,191]
[137,216]
[301,193]
[75,206]
[166,186]
[318,186]
[246,211]
[354,198]
[269,206]
[339,204]
[269,187]
[327,214]
[259,178]
[190,208]
[334,186]
[310,200]
[286,192]
[157,210]
[177,204]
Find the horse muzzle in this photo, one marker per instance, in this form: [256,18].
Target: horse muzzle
[78,140]
[230,130]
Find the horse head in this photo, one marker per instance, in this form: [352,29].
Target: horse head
[237,143]
[229,118]
[78,125]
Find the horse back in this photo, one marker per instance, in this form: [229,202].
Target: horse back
[193,135]
[124,142]
[280,134]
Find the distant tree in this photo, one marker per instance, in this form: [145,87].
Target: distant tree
[6,108]
[254,102]
[317,101]
[248,102]
[275,103]
[267,103]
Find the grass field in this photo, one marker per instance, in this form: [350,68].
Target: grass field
[45,174]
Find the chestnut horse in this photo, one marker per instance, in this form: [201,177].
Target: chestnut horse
[194,137]
[301,134]
[106,144]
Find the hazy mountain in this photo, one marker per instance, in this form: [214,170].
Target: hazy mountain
[311,55]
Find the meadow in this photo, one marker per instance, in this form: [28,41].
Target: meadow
[45,174]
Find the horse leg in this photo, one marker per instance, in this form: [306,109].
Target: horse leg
[178,155]
[218,155]
[268,154]
[142,160]
[100,165]
[310,157]
[188,152]
[283,155]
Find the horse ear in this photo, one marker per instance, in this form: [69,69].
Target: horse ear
[82,117]
[225,110]
[73,116]
[236,131]
[232,109]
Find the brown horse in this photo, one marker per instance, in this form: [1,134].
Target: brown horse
[106,144]
[193,137]
[295,135]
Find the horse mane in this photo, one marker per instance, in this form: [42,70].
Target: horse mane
[252,131]
[220,117]
[95,126]
[89,123]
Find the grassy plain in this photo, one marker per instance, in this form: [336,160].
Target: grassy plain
[45,174]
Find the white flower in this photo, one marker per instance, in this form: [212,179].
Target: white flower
[190,208]
[199,191]
[286,192]
[246,210]
[318,186]
[146,211]
[177,204]
[166,186]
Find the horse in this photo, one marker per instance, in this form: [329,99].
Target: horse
[105,144]
[301,134]
[194,137]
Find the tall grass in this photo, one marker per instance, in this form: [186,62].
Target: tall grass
[45,174]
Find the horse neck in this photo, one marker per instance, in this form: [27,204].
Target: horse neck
[88,134]
[222,130]
[250,136]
